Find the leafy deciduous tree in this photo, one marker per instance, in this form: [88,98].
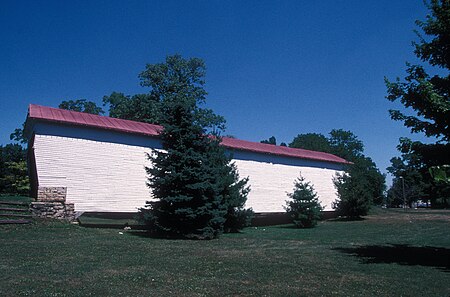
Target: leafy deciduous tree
[13,170]
[311,141]
[140,107]
[427,96]
[413,180]
[427,99]
[346,145]
[81,105]
[441,173]
[18,136]
[272,140]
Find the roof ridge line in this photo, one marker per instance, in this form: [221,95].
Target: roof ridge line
[44,113]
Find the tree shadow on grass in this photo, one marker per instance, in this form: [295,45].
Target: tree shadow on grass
[402,254]
[285,226]
[346,219]
[144,233]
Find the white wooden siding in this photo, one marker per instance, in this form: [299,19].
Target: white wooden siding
[99,176]
[111,177]
[271,182]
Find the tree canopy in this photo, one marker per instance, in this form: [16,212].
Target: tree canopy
[272,140]
[13,170]
[140,107]
[187,76]
[424,92]
[426,96]
[340,142]
[346,145]
[311,141]
[81,105]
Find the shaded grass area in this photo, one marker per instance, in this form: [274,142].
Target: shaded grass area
[14,209]
[402,254]
[360,258]
[93,221]
[13,198]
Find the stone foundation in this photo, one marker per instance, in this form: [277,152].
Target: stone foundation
[51,204]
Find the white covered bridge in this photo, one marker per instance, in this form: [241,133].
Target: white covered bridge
[100,162]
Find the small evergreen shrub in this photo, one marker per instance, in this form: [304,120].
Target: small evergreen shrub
[303,207]
[234,195]
[237,219]
[354,199]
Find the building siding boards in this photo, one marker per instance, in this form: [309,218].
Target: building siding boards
[102,162]
[105,170]
[99,176]
[272,177]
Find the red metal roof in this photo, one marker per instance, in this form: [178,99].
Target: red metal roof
[38,112]
[280,150]
[85,119]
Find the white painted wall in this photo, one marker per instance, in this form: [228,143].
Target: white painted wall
[99,176]
[109,174]
[271,182]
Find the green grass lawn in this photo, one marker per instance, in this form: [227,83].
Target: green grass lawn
[15,198]
[390,253]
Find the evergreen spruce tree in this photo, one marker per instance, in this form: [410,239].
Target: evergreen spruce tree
[354,198]
[234,194]
[184,179]
[303,207]
[232,189]
[191,179]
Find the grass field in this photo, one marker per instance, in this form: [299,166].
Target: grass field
[15,198]
[390,253]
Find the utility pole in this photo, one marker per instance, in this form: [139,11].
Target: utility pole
[403,190]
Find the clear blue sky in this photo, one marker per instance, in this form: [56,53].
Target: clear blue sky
[274,67]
